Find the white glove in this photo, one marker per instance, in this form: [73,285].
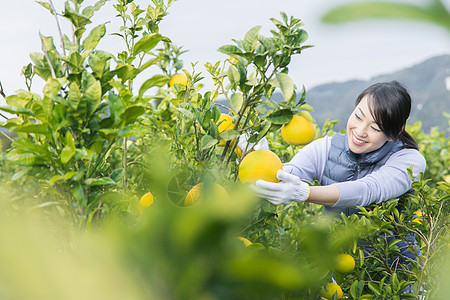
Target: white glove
[245,146]
[290,189]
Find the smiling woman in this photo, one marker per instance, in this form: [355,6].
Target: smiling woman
[368,164]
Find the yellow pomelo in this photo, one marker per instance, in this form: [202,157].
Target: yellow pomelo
[332,288]
[225,123]
[419,215]
[196,193]
[344,263]
[145,201]
[299,131]
[245,241]
[261,164]
[179,78]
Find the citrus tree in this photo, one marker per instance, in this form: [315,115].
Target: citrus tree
[73,137]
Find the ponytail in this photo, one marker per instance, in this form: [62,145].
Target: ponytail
[407,140]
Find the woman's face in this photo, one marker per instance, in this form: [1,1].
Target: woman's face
[363,134]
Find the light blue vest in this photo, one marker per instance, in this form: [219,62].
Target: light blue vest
[344,165]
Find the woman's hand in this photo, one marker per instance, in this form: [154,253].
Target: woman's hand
[290,189]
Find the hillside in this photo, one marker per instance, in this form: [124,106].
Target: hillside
[425,82]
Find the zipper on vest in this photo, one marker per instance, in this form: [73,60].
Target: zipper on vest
[358,171]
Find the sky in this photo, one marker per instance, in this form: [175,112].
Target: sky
[357,50]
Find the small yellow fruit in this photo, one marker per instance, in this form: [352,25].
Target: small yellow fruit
[344,263]
[299,131]
[238,151]
[225,123]
[261,164]
[332,288]
[145,201]
[245,241]
[195,194]
[179,78]
[419,215]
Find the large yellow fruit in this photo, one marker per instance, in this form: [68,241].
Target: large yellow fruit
[195,194]
[299,131]
[145,201]
[331,289]
[225,123]
[179,78]
[344,263]
[261,164]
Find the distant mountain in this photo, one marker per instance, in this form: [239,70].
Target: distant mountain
[426,82]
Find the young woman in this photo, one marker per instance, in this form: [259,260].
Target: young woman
[368,164]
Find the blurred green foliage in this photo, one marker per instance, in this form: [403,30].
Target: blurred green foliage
[431,11]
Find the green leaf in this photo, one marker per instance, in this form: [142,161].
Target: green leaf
[100,181]
[92,94]
[46,5]
[229,134]
[126,72]
[300,36]
[157,80]
[74,96]
[116,106]
[33,128]
[47,43]
[51,88]
[207,142]
[302,98]
[150,63]
[374,287]
[286,85]
[41,67]
[21,99]
[131,113]
[16,110]
[69,148]
[268,44]
[353,291]
[280,117]
[236,101]
[78,20]
[66,176]
[251,39]
[89,10]
[117,174]
[306,107]
[230,49]
[92,40]
[186,113]
[78,194]
[74,61]
[147,43]
[233,75]
[23,159]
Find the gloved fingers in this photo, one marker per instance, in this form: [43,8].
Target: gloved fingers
[265,193]
[272,186]
[268,194]
[287,177]
[278,201]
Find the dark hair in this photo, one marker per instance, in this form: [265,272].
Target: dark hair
[390,106]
